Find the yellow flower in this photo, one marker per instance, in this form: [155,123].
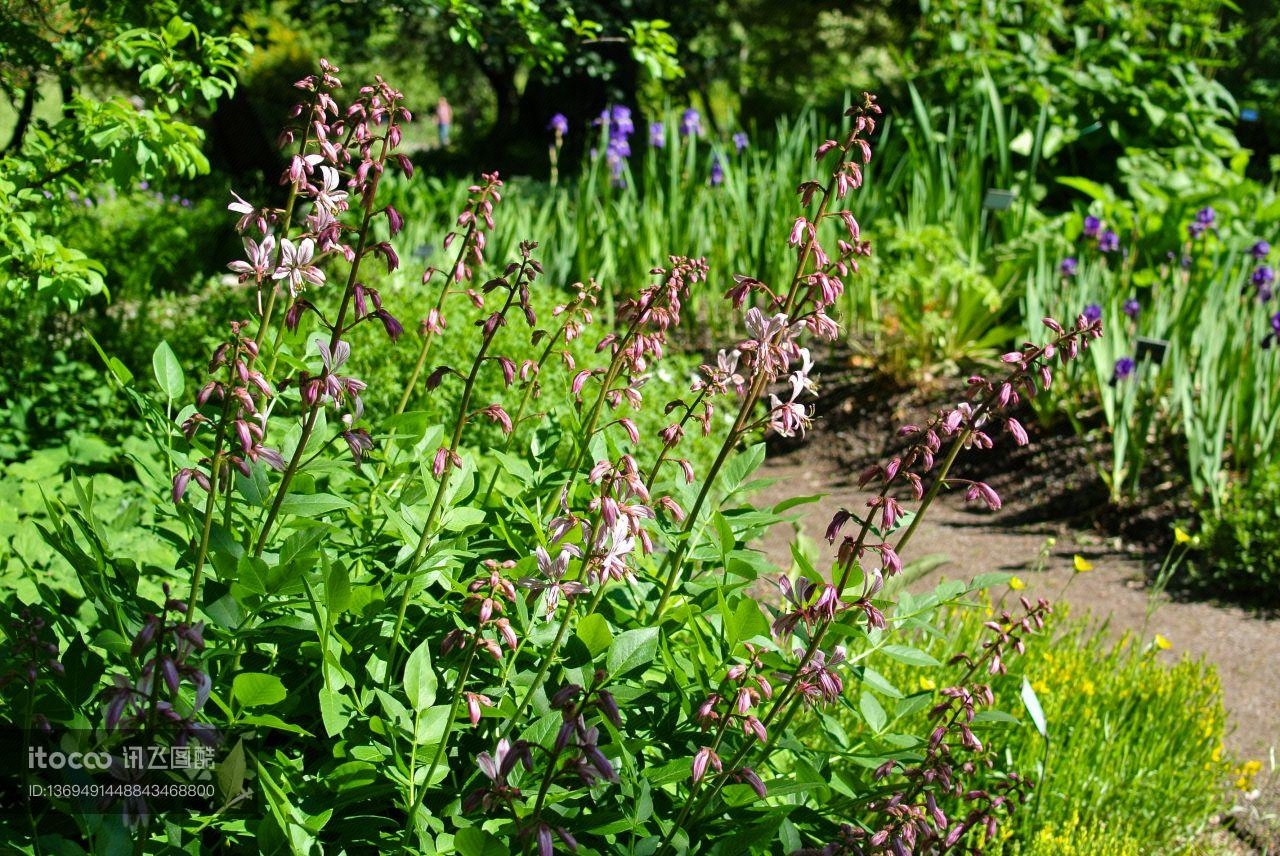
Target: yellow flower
[1082,564]
[928,683]
[1180,536]
[1017,584]
[1162,643]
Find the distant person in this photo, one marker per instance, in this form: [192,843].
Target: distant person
[444,119]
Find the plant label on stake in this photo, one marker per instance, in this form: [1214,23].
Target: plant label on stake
[997,199]
[1153,349]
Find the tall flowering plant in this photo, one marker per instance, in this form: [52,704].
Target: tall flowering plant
[420,638]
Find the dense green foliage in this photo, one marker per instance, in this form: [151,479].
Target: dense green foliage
[1241,542]
[450,535]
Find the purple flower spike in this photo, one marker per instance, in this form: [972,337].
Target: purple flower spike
[657,135]
[1092,226]
[717,172]
[1124,368]
[1262,279]
[691,123]
[740,141]
[1070,266]
[560,124]
[1132,308]
[1108,242]
[1260,250]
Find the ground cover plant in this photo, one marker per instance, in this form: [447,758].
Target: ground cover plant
[1096,717]
[395,637]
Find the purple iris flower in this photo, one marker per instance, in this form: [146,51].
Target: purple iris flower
[657,135]
[740,141]
[691,123]
[1070,266]
[1093,312]
[620,121]
[1262,278]
[559,124]
[1132,308]
[1092,226]
[717,172]
[1108,242]
[1124,368]
[1260,250]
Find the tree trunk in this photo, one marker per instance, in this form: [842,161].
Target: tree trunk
[25,109]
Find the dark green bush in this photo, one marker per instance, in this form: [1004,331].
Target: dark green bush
[1241,555]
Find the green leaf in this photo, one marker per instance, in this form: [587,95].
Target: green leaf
[594,632]
[1032,703]
[872,712]
[631,650]
[419,678]
[792,502]
[910,656]
[474,841]
[254,689]
[334,711]
[168,371]
[744,622]
[231,773]
[337,588]
[268,720]
[312,504]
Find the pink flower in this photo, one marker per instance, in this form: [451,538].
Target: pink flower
[296,266]
[260,261]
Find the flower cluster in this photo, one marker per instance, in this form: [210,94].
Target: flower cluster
[970,424]
[169,644]
[486,599]
[737,701]
[618,126]
[910,819]
[1105,241]
[245,396]
[475,222]
[1206,221]
[31,649]
[1263,276]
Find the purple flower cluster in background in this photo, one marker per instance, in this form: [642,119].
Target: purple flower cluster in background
[1264,275]
[1094,230]
[618,121]
[691,123]
[1206,220]
[1124,368]
[657,135]
[717,171]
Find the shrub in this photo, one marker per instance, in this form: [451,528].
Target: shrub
[1240,558]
